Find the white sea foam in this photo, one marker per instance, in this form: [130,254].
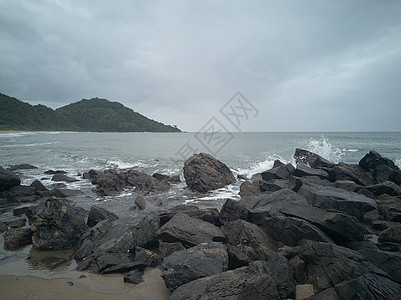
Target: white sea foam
[398,162]
[325,149]
[28,145]
[260,166]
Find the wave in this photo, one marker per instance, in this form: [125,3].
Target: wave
[28,145]
[260,166]
[398,162]
[326,150]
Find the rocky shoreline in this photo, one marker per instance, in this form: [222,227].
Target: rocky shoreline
[317,230]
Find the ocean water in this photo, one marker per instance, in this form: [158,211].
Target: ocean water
[243,153]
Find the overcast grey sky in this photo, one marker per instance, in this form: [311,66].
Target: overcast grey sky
[305,65]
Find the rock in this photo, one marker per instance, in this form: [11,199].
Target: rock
[143,182]
[242,177]
[312,159]
[133,277]
[160,177]
[306,290]
[189,231]
[279,269]
[256,177]
[327,265]
[250,188]
[390,207]
[22,167]
[167,249]
[204,173]
[4,225]
[148,258]
[303,170]
[256,242]
[140,202]
[122,267]
[297,182]
[203,260]
[327,197]
[19,211]
[56,224]
[280,198]
[382,169]
[386,187]
[108,263]
[241,283]
[347,185]
[168,179]
[239,256]
[118,237]
[279,172]
[38,186]
[369,286]
[231,211]
[379,225]
[97,214]
[290,231]
[339,227]
[278,163]
[65,193]
[210,215]
[15,238]
[23,191]
[62,177]
[354,173]
[391,234]
[8,179]
[274,185]
[52,172]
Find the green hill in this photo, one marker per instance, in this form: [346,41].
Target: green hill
[95,114]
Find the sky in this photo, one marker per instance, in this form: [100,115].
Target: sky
[300,65]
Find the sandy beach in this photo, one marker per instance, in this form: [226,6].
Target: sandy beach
[91,287]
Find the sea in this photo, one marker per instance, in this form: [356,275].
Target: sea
[78,152]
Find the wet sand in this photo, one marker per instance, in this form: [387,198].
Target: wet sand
[93,286]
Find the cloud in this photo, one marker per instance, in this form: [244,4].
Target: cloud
[305,65]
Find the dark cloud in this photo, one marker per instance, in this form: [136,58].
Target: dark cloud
[306,65]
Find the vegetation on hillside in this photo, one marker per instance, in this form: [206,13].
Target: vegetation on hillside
[95,114]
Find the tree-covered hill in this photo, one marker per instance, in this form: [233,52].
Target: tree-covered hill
[94,114]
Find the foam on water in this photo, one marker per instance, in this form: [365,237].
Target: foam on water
[326,150]
[260,166]
[398,162]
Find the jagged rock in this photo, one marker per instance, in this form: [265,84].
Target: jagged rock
[274,185]
[250,188]
[327,197]
[210,215]
[290,231]
[108,263]
[390,207]
[140,202]
[38,186]
[231,211]
[303,170]
[97,214]
[133,277]
[22,167]
[241,283]
[347,185]
[8,179]
[124,267]
[354,173]
[120,236]
[168,179]
[204,173]
[56,224]
[23,191]
[391,234]
[65,193]
[147,257]
[242,177]
[4,225]
[386,187]
[15,238]
[279,172]
[203,260]
[338,226]
[297,182]
[382,169]
[52,172]
[19,211]
[189,231]
[239,256]
[280,270]
[167,249]
[280,198]
[249,237]
[312,159]
[62,177]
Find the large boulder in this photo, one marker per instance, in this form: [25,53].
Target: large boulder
[386,187]
[243,283]
[327,197]
[97,214]
[249,239]
[63,177]
[382,169]
[203,260]
[56,224]
[231,211]
[203,173]
[190,231]
[8,179]
[15,238]
[279,172]
[210,215]
[312,159]
[353,172]
[303,170]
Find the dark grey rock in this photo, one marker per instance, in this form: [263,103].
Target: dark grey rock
[203,260]
[250,188]
[22,167]
[5,225]
[124,267]
[56,224]
[274,185]
[38,186]
[303,170]
[279,172]
[386,187]
[97,214]
[312,159]
[8,179]
[140,202]
[204,173]
[52,172]
[231,211]
[133,277]
[210,215]
[167,249]
[382,169]
[391,234]
[354,173]
[16,238]
[147,257]
[62,177]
